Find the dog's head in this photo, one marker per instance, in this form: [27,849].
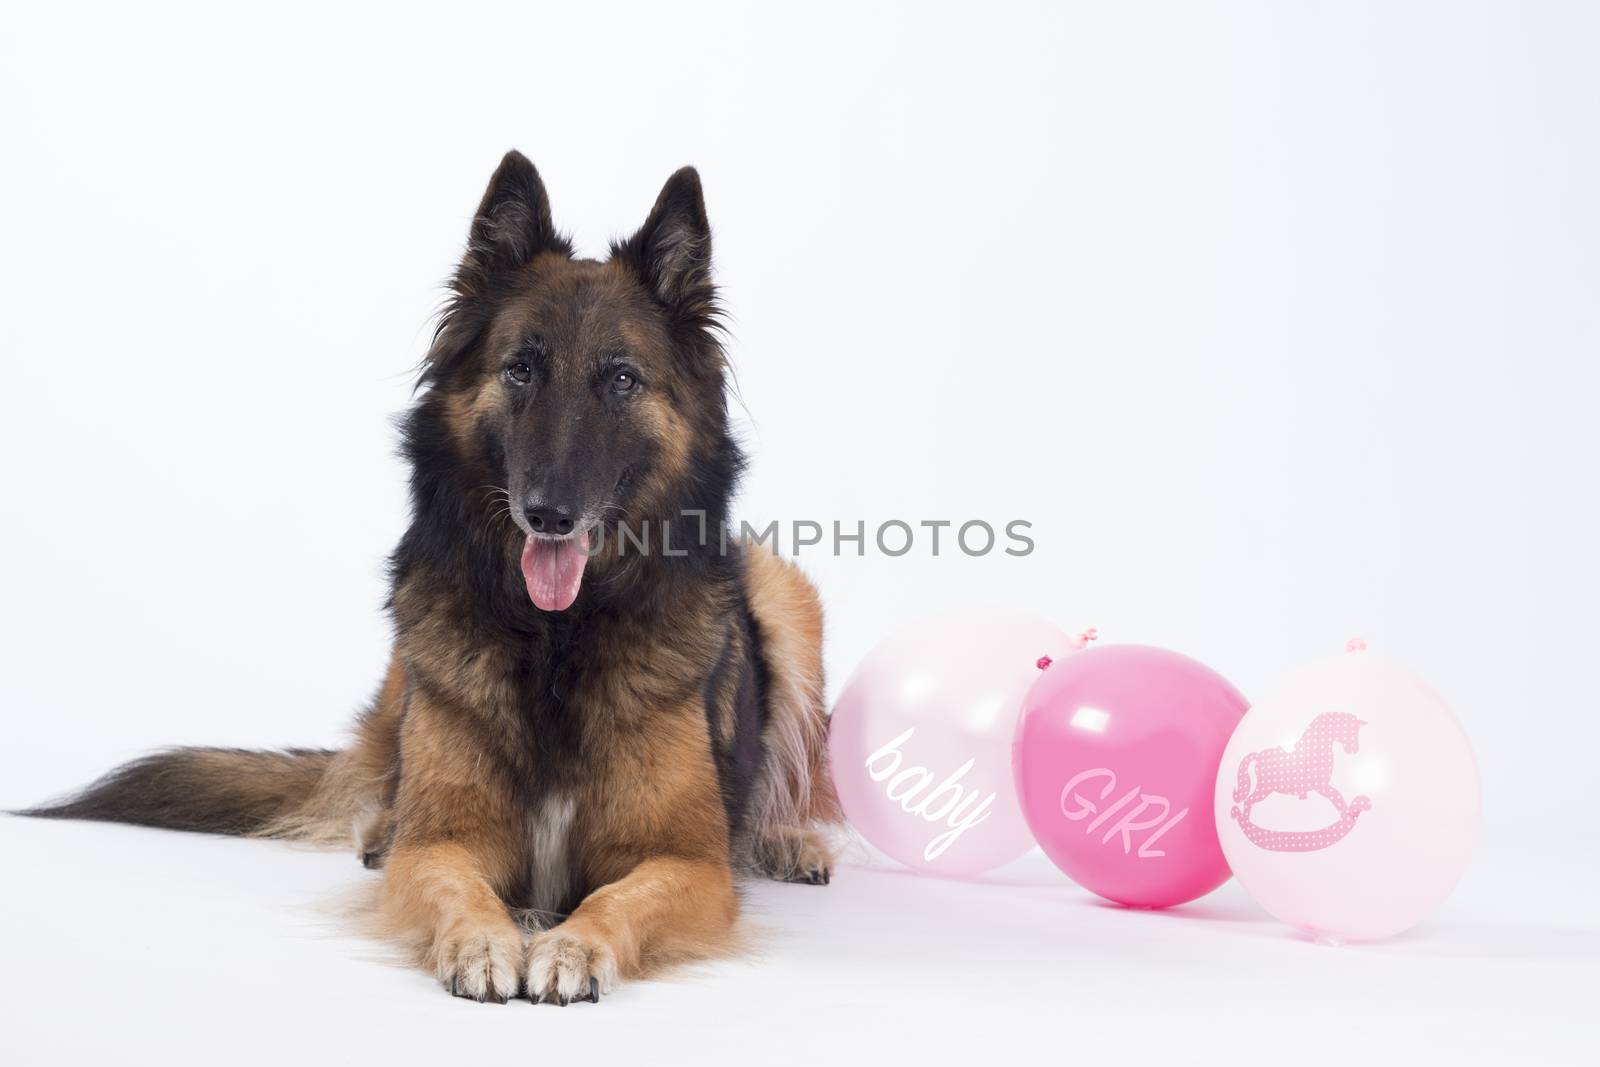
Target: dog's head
[574,396]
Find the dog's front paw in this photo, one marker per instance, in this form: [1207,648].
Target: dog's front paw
[564,966]
[480,963]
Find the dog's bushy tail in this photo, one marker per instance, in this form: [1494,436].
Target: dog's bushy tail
[324,796]
[209,790]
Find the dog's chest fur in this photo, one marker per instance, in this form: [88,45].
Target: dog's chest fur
[549,860]
[585,715]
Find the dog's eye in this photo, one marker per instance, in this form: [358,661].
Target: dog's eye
[623,382]
[519,374]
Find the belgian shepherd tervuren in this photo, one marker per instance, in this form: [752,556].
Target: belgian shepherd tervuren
[600,707]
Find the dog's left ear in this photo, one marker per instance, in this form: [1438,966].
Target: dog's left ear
[672,250]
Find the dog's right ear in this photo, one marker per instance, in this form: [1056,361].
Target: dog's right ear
[511,227]
[512,224]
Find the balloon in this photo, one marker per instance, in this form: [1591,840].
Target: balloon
[1348,800]
[1116,758]
[920,740]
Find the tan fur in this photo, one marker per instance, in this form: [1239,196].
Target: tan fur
[454,855]
[664,910]
[797,788]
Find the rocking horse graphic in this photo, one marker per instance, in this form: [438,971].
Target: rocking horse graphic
[1307,769]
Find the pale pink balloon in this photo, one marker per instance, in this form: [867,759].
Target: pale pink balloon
[1116,758]
[1348,799]
[920,740]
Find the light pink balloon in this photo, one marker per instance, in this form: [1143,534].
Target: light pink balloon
[1116,760]
[921,740]
[1348,800]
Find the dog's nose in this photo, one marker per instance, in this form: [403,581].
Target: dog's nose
[549,520]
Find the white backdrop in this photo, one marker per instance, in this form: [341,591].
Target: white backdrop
[1277,321]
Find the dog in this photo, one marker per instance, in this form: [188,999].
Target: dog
[601,710]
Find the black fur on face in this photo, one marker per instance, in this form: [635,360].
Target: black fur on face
[570,395]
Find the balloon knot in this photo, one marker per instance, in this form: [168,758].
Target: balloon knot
[1355,644]
[1081,640]
[1043,662]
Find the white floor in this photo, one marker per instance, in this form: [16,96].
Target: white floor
[122,945]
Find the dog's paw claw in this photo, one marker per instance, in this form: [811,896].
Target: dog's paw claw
[565,967]
[800,856]
[810,876]
[481,966]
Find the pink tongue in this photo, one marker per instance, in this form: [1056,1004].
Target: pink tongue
[553,571]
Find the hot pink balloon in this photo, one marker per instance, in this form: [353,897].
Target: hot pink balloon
[1116,758]
[1348,799]
[920,740]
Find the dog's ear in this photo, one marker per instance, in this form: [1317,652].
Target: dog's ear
[513,222]
[672,250]
[511,227]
